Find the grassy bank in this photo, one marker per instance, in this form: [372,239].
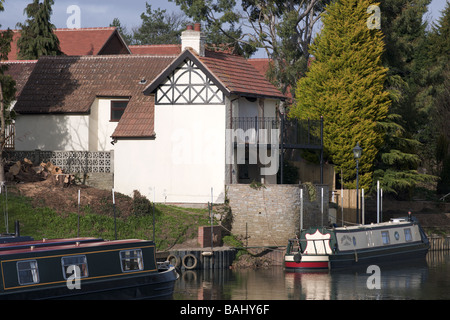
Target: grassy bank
[173,225]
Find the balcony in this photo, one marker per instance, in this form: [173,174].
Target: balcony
[297,134]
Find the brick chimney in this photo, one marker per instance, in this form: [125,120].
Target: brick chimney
[193,38]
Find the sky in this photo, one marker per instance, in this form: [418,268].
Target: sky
[102,13]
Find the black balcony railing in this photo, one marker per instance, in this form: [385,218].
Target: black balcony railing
[286,133]
[297,134]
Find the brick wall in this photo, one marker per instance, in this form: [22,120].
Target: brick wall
[268,216]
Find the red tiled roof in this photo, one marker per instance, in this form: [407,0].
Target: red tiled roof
[160,49]
[77,42]
[239,75]
[20,70]
[260,64]
[69,84]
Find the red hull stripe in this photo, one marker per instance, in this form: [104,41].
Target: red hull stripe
[309,265]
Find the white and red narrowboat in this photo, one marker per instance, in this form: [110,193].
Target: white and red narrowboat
[332,248]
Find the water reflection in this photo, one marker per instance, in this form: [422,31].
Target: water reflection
[427,279]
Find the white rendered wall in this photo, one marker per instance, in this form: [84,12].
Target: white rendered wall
[67,132]
[52,132]
[101,128]
[183,162]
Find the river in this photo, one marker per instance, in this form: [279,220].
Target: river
[425,280]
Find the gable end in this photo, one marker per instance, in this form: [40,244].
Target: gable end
[184,66]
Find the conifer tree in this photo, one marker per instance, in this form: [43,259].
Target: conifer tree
[37,37]
[345,85]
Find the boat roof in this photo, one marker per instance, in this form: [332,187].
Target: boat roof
[63,244]
[390,223]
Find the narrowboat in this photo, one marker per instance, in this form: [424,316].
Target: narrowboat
[83,268]
[320,248]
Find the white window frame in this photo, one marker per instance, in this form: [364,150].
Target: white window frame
[32,270]
[82,264]
[408,235]
[384,237]
[131,260]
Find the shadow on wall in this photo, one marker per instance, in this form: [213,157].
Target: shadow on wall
[42,122]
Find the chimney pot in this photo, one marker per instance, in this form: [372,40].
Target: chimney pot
[193,38]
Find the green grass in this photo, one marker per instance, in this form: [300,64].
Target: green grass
[173,225]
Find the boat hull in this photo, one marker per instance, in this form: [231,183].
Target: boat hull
[400,254]
[295,263]
[156,285]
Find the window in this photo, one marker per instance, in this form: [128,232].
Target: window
[408,236]
[385,237]
[77,261]
[117,109]
[131,260]
[27,272]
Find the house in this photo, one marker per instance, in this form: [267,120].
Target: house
[82,42]
[173,121]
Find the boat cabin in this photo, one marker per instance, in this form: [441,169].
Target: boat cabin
[78,267]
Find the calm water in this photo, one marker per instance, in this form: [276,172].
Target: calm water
[429,279]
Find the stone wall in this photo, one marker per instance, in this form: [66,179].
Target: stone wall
[269,215]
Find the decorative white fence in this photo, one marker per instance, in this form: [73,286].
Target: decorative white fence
[69,161]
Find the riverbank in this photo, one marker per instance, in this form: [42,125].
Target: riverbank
[46,210]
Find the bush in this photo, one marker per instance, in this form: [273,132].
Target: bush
[141,205]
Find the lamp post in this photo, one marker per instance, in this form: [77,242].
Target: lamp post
[357,151]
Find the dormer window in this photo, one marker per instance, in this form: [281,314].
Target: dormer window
[117,109]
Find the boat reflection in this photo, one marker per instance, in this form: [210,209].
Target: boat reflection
[395,282]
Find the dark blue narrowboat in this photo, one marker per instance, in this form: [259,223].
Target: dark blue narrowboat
[83,268]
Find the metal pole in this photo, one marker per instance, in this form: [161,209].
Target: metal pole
[342,198]
[154,215]
[282,149]
[114,207]
[78,224]
[357,191]
[381,204]
[321,205]
[378,201]
[362,206]
[321,150]
[211,215]
[301,210]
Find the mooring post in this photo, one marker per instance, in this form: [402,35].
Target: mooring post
[114,208]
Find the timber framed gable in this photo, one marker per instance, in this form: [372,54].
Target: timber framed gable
[188,84]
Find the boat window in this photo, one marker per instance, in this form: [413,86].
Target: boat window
[74,261]
[131,260]
[408,236]
[385,237]
[27,272]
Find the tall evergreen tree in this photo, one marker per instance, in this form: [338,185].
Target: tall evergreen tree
[37,37]
[404,35]
[438,92]
[345,85]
